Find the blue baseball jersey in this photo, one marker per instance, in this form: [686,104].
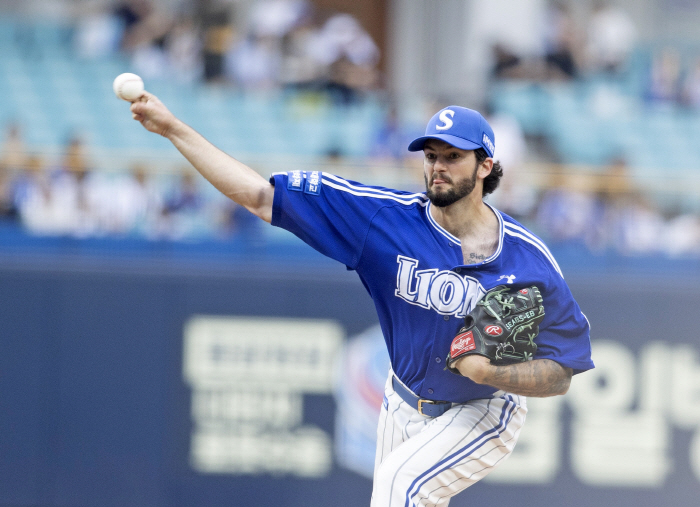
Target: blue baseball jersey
[416,275]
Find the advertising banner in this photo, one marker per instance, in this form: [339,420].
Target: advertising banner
[254,386]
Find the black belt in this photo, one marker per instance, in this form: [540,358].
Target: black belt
[425,407]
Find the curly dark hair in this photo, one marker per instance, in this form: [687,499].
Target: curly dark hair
[492,180]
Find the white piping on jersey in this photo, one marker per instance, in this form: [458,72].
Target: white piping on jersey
[382,194]
[372,189]
[455,240]
[588,321]
[378,194]
[363,191]
[519,232]
[440,228]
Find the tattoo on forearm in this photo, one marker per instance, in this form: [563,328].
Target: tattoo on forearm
[539,378]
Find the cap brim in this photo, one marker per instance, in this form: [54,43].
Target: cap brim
[455,141]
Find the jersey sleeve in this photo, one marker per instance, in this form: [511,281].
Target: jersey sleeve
[331,214]
[565,332]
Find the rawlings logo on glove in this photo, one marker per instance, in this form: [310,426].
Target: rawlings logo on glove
[502,327]
[462,343]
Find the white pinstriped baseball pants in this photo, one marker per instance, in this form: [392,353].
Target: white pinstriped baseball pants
[423,461]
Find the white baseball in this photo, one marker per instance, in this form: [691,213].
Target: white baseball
[128,86]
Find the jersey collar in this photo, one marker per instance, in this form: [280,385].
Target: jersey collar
[456,240]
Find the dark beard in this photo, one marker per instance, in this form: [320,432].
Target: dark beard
[453,195]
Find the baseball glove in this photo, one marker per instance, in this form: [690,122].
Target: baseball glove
[502,327]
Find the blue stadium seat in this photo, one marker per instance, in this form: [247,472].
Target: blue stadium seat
[524,101]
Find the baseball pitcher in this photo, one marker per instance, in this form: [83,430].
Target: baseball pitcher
[473,307]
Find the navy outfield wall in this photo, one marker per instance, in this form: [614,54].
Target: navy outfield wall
[115,388]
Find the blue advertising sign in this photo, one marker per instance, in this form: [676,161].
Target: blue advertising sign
[194,387]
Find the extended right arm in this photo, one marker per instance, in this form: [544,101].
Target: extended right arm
[231,177]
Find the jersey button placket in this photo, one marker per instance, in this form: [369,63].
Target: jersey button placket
[430,391]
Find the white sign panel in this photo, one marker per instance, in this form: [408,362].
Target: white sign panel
[248,377]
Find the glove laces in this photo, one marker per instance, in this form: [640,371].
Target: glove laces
[504,301]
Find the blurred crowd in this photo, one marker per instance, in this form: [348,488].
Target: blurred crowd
[568,49]
[601,212]
[293,44]
[599,209]
[673,81]
[603,45]
[279,43]
[70,198]
[290,44]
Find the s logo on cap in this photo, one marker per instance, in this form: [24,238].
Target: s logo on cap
[446,118]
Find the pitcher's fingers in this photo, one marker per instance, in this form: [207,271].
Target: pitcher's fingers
[145,96]
[137,107]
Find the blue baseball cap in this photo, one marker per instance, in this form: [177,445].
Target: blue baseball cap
[461,127]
